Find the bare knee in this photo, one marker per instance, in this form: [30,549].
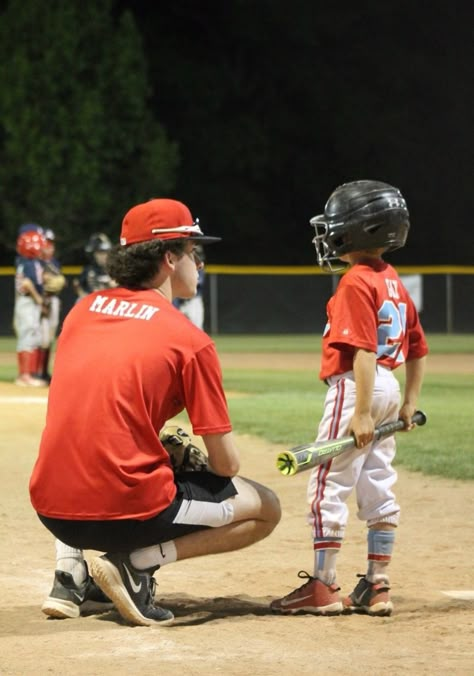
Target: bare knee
[271,504]
[255,501]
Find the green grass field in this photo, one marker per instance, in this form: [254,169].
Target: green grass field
[439,343]
[284,407]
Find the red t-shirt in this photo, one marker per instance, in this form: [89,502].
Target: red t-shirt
[126,362]
[372,310]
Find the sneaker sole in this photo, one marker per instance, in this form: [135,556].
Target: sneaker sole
[377,610]
[63,610]
[334,609]
[60,609]
[37,383]
[108,578]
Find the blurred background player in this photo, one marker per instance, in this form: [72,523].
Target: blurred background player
[30,246]
[94,275]
[193,308]
[53,283]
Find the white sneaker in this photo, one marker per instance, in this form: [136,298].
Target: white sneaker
[25,380]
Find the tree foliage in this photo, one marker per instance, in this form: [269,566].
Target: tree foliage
[79,143]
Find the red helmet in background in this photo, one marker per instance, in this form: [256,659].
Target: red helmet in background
[31,244]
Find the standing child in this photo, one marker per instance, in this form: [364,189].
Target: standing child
[53,283]
[372,328]
[30,245]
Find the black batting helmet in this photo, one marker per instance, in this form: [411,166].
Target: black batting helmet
[360,215]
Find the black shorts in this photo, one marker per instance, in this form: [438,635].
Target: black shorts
[201,502]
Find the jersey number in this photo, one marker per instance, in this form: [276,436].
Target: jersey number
[391,330]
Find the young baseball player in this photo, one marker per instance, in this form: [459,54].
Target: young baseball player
[94,275]
[372,329]
[53,283]
[103,479]
[30,245]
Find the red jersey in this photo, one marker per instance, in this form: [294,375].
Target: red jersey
[126,362]
[372,310]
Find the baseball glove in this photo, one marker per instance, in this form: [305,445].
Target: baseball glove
[185,457]
[53,283]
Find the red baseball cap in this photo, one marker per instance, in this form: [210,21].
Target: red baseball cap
[164,219]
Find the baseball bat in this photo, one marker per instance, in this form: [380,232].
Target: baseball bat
[306,456]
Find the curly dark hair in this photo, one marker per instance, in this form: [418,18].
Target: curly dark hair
[134,266]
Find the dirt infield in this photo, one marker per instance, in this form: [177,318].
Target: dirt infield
[221,602]
[437,363]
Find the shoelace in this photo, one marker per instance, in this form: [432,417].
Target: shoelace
[151,592]
[382,583]
[304,576]
[309,578]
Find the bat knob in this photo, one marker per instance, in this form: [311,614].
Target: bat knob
[420,418]
[286,464]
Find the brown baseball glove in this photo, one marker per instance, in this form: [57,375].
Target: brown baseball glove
[185,457]
[53,283]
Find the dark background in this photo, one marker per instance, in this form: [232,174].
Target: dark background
[273,103]
[325,93]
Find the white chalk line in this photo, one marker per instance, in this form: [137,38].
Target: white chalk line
[460,594]
[23,400]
